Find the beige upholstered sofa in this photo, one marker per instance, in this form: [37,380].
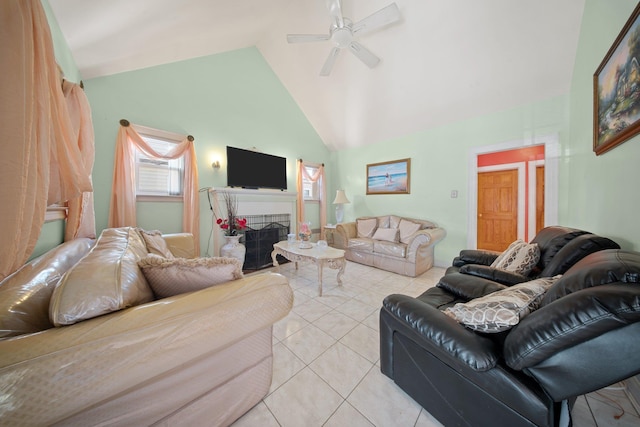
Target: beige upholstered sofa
[197,358]
[389,242]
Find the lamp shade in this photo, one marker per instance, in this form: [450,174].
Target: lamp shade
[341,198]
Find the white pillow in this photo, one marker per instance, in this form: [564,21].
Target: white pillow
[519,258]
[388,234]
[156,243]
[407,228]
[501,310]
[168,277]
[366,227]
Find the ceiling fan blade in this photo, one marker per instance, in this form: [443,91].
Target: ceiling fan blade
[306,38]
[364,54]
[335,10]
[328,64]
[385,16]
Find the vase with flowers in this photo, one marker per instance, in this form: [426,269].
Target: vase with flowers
[231,226]
[304,234]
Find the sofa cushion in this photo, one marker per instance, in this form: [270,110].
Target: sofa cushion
[519,258]
[388,234]
[407,228]
[383,221]
[366,227]
[394,221]
[25,294]
[362,245]
[155,243]
[501,310]
[105,280]
[389,248]
[169,277]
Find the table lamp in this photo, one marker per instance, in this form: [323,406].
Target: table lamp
[340,200]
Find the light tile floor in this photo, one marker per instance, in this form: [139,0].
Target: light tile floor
[326,368]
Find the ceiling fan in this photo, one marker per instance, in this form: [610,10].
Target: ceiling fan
[343,33]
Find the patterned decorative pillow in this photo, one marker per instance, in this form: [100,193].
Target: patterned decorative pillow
[366,226]
[156,243]
[501,310]
[388,234]
[506,251]
[407,228]
[519,258]
[168,277]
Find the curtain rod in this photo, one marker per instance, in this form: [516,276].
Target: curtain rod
[126,123]
[300,160]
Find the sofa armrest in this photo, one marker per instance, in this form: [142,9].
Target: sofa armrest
[503,277]
[437,333]
[475,256]
[423,238]
[344,232]
[181,245]
[123,349]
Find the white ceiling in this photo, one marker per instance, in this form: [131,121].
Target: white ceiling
[446,60]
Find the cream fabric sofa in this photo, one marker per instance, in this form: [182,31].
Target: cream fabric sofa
[390,242]
[199,358]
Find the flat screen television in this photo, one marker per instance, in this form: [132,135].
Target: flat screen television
[251,169]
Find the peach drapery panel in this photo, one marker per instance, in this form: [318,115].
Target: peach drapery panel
[123,194]
[81,220]
[317,177]
[40,163]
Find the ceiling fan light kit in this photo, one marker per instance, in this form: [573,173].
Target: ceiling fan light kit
[343,33]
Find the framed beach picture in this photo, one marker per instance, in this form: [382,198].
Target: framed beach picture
[389,177]
[616,90]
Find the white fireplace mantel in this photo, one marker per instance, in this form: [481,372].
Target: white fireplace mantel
[251,202]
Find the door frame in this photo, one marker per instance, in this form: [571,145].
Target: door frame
[532,196]
[521,168]
[551,163]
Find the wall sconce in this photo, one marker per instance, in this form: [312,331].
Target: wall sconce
[341,199]
[216,164]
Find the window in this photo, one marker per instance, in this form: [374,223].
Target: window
[310,190]
[159,177]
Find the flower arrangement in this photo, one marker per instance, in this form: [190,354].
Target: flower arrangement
[304,232]
[231,225]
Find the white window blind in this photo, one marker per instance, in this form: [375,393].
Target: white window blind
[159,177]
[310,189]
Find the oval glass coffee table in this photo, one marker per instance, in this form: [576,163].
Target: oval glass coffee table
[320,256]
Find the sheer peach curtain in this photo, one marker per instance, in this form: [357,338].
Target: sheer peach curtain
[40,163]
[81,215]
[123,194]
[317,177]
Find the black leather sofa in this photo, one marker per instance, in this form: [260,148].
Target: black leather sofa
[584,336]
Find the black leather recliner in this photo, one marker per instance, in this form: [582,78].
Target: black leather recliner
[560,248]
[583,337]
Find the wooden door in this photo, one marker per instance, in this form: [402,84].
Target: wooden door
[497,209]
[539,198]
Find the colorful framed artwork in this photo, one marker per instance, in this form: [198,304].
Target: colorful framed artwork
[616,90]
[389,177]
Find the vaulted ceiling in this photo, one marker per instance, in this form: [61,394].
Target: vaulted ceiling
[444,61]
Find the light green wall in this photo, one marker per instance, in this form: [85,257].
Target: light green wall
[235,99]
[232,98]
[439,164]
[599,193]
[64,58]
